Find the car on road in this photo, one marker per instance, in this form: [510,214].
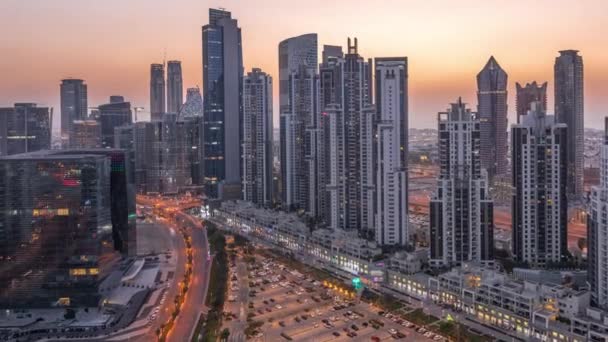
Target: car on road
[335,333]
[354,327]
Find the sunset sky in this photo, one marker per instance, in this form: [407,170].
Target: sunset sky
[111,44]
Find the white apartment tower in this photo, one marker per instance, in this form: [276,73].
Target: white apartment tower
[597,232]
[540,205]
[391,151]
[257,138]
[461,212]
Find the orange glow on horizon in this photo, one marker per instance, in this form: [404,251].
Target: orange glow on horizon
[111,44]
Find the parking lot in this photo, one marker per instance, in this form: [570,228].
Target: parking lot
[283,304]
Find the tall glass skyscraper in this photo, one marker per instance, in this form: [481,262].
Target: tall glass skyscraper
[492,111]
[569,109]
[223,108]
[112,115]
[157,91]
[298,93]
[73,99]
[174,86]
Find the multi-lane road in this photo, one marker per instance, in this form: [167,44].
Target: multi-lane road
[173,213]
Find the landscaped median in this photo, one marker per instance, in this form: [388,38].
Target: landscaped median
[217,286]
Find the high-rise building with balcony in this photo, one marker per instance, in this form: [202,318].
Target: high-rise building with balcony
[157,91]
[298,94]
[257,138]
[223,108]
[597,232]
[346,136]
[569,109]
[391,151]
[492,111]
[25,128]
[73,98]
[461,211]
[530,93]
[540,205]
[175,86]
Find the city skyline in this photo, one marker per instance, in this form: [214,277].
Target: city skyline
[434,78]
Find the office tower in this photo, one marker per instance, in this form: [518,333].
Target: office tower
[461,212]
[192,114]
[85,134]
[492,111]
[175,86]
[293,53]
[298,110]
[161,150]
[124,139]
[569,109]
[532,92]
[25,128]
[346,133]
[74,210]
[112,115]
[257,138]
[331,51]
[73,98]
[193,105]
[222,94]
[157,91]
[540,205]
[391,151]
[597,232]
[193,126]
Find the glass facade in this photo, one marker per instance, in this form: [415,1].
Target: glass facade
[55,223]
[222,79]
[24,128]
[62,216]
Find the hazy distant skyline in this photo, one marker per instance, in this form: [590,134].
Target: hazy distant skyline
[111,44]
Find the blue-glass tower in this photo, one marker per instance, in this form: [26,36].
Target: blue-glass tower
[223,109]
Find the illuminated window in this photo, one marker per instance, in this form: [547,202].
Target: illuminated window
[78,271]
[63,212]
[93,271]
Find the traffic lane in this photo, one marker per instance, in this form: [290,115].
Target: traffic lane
[194,300]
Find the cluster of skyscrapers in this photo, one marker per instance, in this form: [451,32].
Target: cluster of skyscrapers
[343,160]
